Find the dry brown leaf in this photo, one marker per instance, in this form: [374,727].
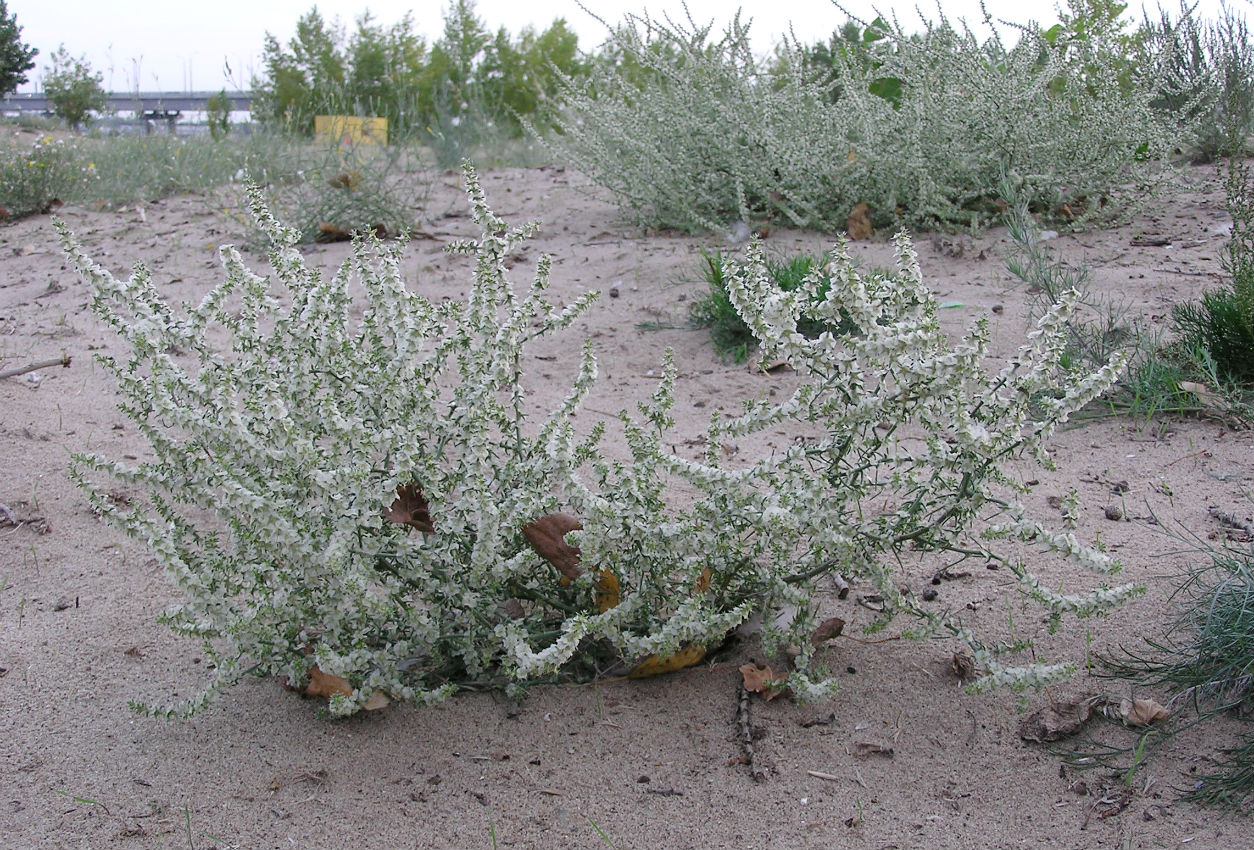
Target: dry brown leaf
[1056,721]
[328,232]
[1142,712]
[327,685]
[762,680]
[1208,397]
[654,666]
[828,629]
[774,367]
[858,225]
[608,593]
[863,749]
[377,700]
[702,584]
[410,508]
[547,536]
[349,180]
[963,666]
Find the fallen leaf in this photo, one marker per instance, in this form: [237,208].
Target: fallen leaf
[858,225]
[654,666]
[547,536]
[327,685]
[608,593]
[328,232]
[512,608]
[863,749]
[1207,396]
[775,367]
[410,508]
[1142,712]
[1056,721]
[963,666]
[762,680]
[349,180]
[828,629]
[377,700]
[702,584]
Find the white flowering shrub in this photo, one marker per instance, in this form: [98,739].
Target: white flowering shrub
[692,132]
[346,493]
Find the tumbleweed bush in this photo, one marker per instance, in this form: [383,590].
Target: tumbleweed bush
[347,490]
[694,133]
[1207,80]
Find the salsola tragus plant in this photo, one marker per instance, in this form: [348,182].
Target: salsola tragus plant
[690,131]
[365,500]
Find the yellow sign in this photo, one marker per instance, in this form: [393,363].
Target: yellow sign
[351,130]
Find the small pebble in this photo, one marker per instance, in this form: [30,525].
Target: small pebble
[1114,512]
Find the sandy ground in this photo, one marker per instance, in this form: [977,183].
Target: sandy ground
[641,764]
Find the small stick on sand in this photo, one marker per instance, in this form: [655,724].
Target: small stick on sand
[842,586]
[1232,521]
[63,360]
[746,736]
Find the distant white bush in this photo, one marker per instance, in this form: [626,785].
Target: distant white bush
[694,133]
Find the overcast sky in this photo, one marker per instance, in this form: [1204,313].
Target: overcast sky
[173,45]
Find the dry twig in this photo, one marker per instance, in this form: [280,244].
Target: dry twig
[63,360]
[746,736]
[1232,521]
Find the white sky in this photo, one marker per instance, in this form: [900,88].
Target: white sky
[178,45]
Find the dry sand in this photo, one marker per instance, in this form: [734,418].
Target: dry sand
[650,764]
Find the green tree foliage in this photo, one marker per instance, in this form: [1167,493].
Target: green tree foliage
[74,89]
[218,115]
[467,74]
[16,57]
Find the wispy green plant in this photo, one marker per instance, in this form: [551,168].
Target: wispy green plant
[732,337]
[1205,659]
[1222,322]
[1098,328]
[339,190]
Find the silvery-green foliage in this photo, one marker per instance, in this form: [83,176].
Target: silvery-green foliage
[281,423]
[1209,79]
[694,133]
[688,131]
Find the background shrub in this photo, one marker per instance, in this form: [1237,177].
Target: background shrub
[1222,322]
[470,80]
[695,133]
[1209,80]
[73,88]
[38,177]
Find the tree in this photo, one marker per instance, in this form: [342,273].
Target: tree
[73,88]
[218,115]
[16,58]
